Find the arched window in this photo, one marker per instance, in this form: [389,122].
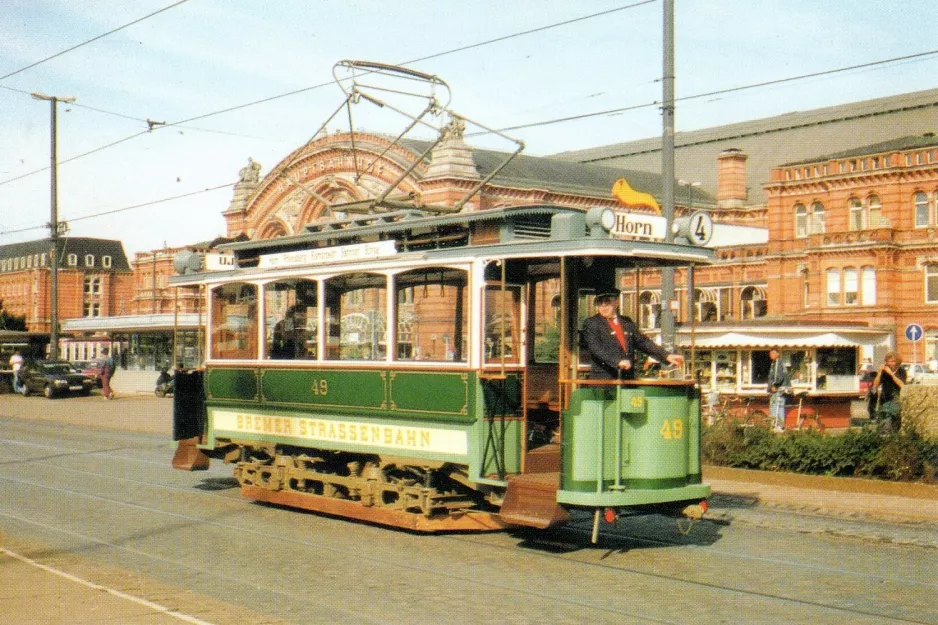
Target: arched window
[875,208]
[851,286]
[706,305]
[752,302]
[931,283]
[921,209]
[857,216]
[801,221]
[818,219]
[649,310]
[805,288]
[868,286]
[833,287]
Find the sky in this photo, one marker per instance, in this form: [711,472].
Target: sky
[231,80]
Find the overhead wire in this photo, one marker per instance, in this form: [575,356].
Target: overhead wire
[125,208]
[709,94]
[420,59]
[92,40]
[301,90]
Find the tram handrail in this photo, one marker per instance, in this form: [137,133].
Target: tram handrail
[638,382]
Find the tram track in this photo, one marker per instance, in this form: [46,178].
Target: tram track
[584,534]
[579,537]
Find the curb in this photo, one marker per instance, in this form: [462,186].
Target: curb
[850,497]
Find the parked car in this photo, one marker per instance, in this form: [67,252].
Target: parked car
[917,373]
[53,378]
[92,369]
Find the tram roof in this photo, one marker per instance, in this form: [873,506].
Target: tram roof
[394,221]
[524,240]
[403,220]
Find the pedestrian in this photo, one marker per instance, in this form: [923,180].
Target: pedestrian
[612,341]
[888,383]
[107,371]
[779,385]
[16,364]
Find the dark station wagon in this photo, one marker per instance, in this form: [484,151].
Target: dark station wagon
[53,378]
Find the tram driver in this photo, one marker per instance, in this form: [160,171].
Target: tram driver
[613,339]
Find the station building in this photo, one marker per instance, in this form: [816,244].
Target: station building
[94,281]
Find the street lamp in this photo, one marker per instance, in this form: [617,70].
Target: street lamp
[690,193]
[54,229]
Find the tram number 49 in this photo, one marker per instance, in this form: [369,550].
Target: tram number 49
[320,387]
[672,429]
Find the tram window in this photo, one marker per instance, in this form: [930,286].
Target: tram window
[546,320]
[432,311]
[290,320]
[502,324]
[357,315]
[234,321]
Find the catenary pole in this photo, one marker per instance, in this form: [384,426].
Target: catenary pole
[667,172]
[53,226]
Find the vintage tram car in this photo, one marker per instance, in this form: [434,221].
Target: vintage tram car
[422,370]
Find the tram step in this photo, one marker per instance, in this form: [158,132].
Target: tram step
[531,500]
[545,459]
[188,457]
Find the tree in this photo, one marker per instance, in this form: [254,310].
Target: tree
[11,322]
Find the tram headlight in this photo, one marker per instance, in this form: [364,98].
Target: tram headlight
[600,220]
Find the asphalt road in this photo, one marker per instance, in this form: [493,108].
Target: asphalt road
[87,490]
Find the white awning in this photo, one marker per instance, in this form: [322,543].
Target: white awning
[129,323]
[789,340]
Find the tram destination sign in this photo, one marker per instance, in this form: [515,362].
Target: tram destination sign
[341,253]
[639,226]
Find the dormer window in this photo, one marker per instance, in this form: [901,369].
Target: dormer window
[89,260]
[73,260]
[106,262]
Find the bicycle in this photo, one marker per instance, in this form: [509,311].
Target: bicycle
[807,413]
[739,411]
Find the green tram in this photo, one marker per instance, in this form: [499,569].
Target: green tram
[422,370]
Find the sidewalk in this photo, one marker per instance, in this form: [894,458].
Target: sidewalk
[39,594]
[850,498]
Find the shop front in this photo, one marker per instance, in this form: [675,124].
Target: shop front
[139,342]
[824,364]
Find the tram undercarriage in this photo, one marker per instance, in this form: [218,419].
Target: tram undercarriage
[387,490]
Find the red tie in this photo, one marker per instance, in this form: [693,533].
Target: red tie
[617,330]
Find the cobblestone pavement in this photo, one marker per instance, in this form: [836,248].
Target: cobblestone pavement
[860,509]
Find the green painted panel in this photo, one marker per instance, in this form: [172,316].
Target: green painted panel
[647,437]
[241,384]
[430,392]
[335,388]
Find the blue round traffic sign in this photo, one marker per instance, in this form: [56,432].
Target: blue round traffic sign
[914,332]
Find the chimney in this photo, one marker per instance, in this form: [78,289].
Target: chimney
[731,179]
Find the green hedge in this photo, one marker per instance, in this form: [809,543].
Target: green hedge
[864,452]
[910,455]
